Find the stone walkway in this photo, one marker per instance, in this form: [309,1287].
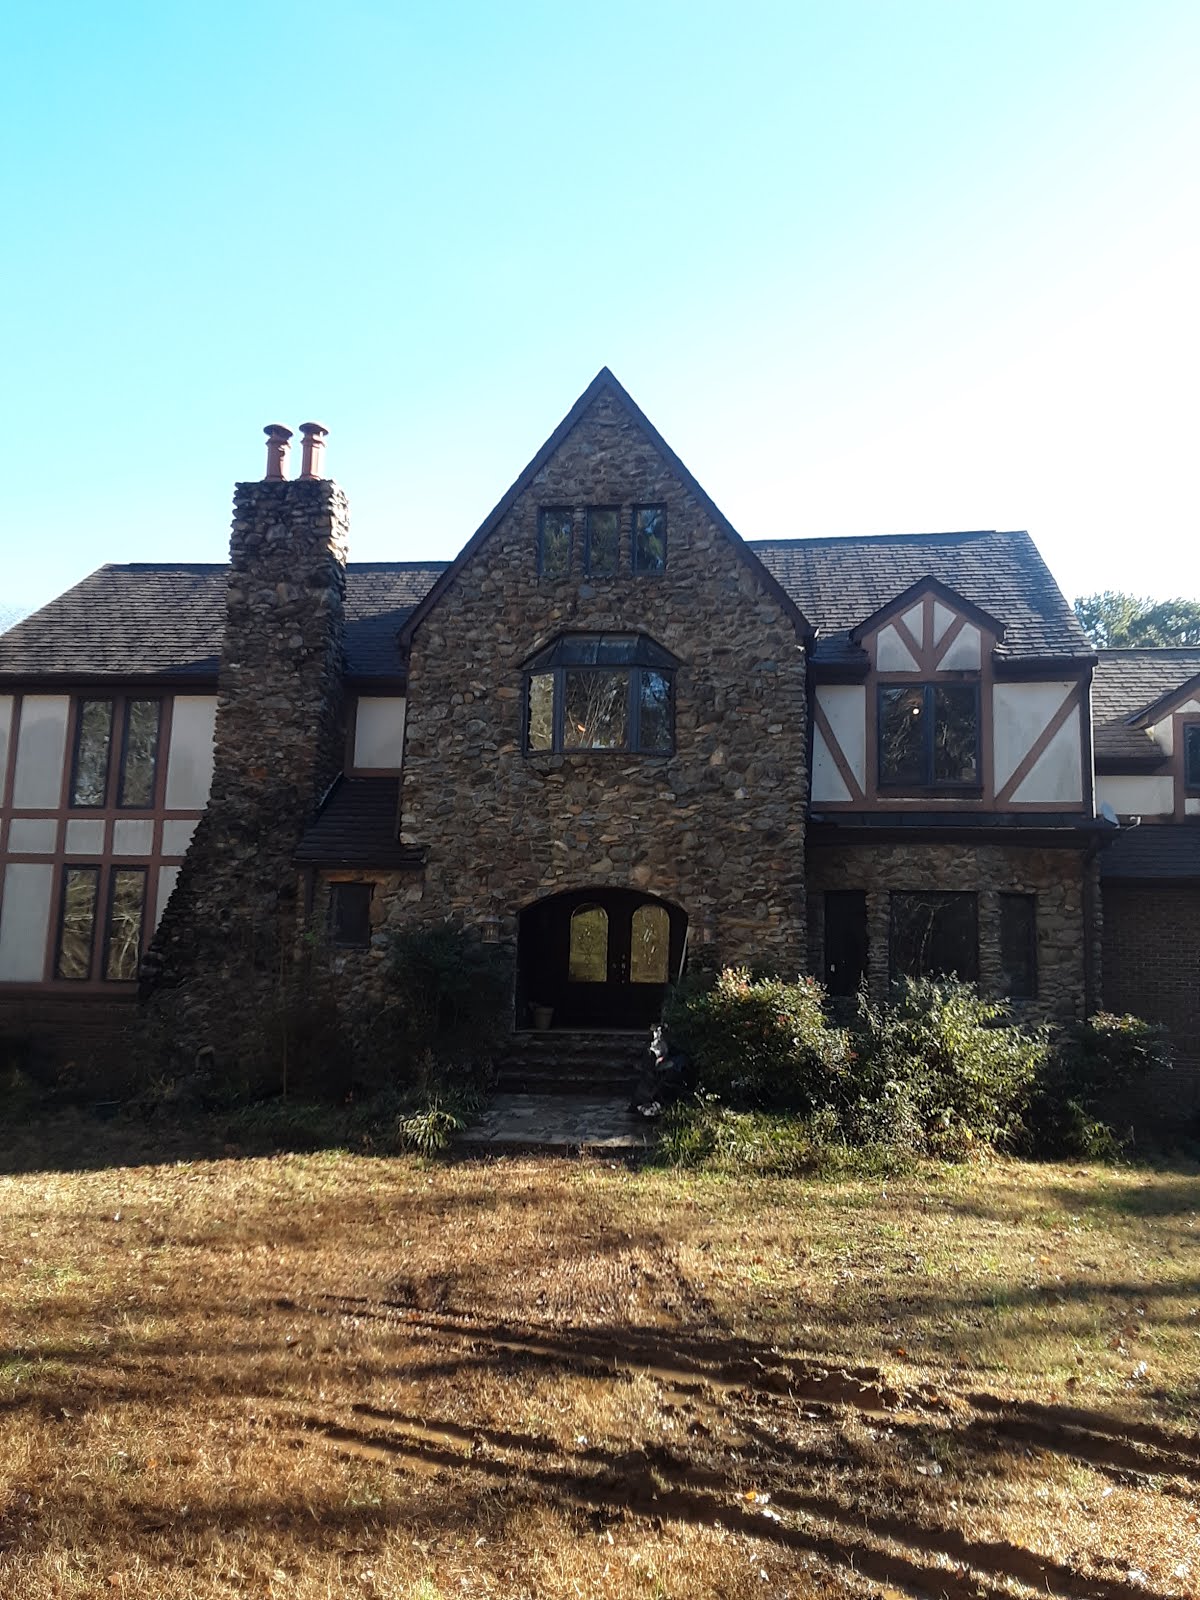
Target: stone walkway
[563,1124]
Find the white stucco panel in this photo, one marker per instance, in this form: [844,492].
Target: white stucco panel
[133,836]
[914,621]
[942,618]
[176,837]
[6,712]
[966,651]
[41,748]
[25,921]
[1057,774]
[827,782]
[1137,794]
[891,652]
[190,759]
[1191,808]
[379,732]
[85,836]
[845,709]
[1019,713]
[33,836]
[167,878]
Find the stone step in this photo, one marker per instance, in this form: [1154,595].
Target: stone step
[570,1062]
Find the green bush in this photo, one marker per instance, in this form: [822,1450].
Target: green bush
[1092,1064]
[758,1042]
[946,1066]
[451,998]
[703,1133]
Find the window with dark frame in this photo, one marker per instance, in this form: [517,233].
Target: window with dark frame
[554,541]
[649,538]
[350,915]
[929,735]
[92,776]
[1191,755]
[602,541]
[123,926]
[1018,945]
[845,940]
[934,935]
[601,692]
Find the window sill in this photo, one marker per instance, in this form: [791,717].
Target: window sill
[933,791]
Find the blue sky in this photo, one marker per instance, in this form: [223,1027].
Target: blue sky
[869,267]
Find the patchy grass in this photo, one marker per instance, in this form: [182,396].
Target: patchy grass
[330,1374]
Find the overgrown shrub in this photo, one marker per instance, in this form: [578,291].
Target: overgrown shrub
[758,1042]
[946,1066]
[451,995]
[701,1132]
[1093,1063]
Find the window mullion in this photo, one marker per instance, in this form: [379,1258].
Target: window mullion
[930,740]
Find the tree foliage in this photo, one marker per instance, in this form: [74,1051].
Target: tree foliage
[1115,620]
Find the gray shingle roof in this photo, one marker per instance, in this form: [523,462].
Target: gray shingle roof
[839,582]
[356,827]
[1155,850]
[166,620]
[1125,683]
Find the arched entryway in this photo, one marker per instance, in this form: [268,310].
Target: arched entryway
[598,958]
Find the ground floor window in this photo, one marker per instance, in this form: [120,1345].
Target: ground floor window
[1018,945]
[934,936]
[350,915]
[845,940]
[100,923]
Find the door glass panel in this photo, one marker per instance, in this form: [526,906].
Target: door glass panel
[651,944]
[588,961]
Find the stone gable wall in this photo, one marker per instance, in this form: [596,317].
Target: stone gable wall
[718,826]
[216,961]
[1057,877]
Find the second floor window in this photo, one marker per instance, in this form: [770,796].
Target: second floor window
[128,730]
[1191,755]
[929,735]
[601,692]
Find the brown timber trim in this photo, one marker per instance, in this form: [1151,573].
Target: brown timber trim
[1073,701]
[845,772]
[909,640]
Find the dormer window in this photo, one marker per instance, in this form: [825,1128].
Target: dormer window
[593,691]
[929,735]
[1191,756]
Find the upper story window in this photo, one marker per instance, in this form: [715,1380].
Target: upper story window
[1191,755]
[601,552]
[601,691]
[929,735]
[127,729]
[554,541]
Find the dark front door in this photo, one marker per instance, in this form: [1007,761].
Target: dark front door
[601,958]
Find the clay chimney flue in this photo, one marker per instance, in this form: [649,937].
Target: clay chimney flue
[313,449]
[278,445]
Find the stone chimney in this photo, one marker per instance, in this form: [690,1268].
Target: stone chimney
[278,745]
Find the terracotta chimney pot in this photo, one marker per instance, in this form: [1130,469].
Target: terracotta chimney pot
[313,449]
[278,445]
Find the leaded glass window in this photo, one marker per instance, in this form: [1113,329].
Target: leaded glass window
[587,960]
[554,541]
[139,754]
[650,538]
[650,945]
[77,922]
[603,549]
[590,691]
[93,742]
[1191,755]
[123,939]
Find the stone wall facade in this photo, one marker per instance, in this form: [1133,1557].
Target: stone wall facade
[1057,877]
[716,827]
[1152,969]
[227,934]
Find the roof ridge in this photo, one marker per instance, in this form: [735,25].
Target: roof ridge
[806,541]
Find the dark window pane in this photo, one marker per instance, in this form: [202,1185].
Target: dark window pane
[541,711]
[577,650]
[617,647]
[140,756]
[1018,945]
[654,694]
[78,922]
[955,729]
[935,936]
[350,914]
[93,737]
[1191,755]
[902,734]
[603,539]
[588,958]
[845,940]
[554,542]
[650,539]
[596,710]
[650,947]
[123,942]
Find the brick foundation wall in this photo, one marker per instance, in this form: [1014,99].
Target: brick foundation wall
[1056,877]
[1152,969]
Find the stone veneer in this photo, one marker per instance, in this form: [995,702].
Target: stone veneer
[718,826]
[1056,876]
[279,742]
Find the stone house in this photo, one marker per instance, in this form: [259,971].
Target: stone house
[609,735]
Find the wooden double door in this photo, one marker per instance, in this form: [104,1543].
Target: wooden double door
[600,958]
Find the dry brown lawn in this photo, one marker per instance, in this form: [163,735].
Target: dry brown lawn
[331,1374]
